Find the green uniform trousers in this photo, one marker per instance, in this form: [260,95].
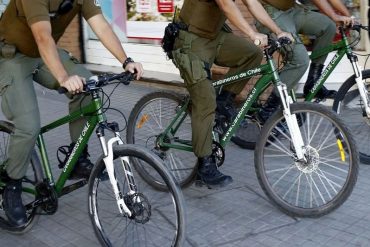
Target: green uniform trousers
[19,104]
[193,55]
[300,20]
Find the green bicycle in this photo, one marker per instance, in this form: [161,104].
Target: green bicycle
[351,102]
[306,161]
[123,209]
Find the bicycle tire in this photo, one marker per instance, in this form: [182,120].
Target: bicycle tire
[292,185]
[148,119]
[108,223]
[33,176]
[247,136]
[349,105]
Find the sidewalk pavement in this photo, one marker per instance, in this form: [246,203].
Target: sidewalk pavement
[239,215]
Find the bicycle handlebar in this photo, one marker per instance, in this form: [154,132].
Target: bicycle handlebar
[358,27]
[97,81]
[275,44]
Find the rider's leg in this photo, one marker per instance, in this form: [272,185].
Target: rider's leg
[239,55]
[225,105]
[19,105]
[12,204]
[191,60]
[296,53]
[44,77]
[313,75]
[268,108]
[323,29]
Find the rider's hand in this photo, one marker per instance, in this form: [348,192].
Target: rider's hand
[287,35]
[74,84]
[135,68]
[345,20]
[259,39]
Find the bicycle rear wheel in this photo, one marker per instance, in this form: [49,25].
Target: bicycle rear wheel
[322,183]
[247,135]
[159,216]
[349,105]
[32,177]
[148,119]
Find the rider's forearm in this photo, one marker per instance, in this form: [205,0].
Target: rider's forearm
[326,8]
[234,15]
[257,10]
[49,54]
[109,39]
[340,7]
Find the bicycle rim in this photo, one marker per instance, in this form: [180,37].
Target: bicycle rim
[159,215]
[149,118]
[350,106]
[315,187]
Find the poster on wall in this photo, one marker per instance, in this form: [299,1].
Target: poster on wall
[149,25]
[165,6]
[115,13]
[143,6]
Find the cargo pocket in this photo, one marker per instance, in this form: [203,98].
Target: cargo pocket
[5,82]
[192,69]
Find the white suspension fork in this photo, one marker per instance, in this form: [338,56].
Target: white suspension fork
[361,87]
[108,161]
[291,121]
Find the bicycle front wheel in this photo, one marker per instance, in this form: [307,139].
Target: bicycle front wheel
[326,178]
[350,106]
[158,217]
[31,179]
[147,123]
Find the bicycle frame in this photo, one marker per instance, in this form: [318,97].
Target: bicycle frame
[92,120]
[95,116]
[269,75]
[342,47]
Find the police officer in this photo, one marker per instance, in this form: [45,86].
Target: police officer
[296,18]
[204,42]
[29,31]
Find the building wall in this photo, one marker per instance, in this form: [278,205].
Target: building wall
[71,39]
[3,4]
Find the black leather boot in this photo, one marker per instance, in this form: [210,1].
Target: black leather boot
[209,174]
[225,105]
[12,201]
[272,103]
[313,75]
[84,166]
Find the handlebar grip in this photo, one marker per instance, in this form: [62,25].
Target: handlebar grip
[284,41]
[130,77]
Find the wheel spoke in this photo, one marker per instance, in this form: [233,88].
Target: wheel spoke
[328,172]
[155,214]
[162,107]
